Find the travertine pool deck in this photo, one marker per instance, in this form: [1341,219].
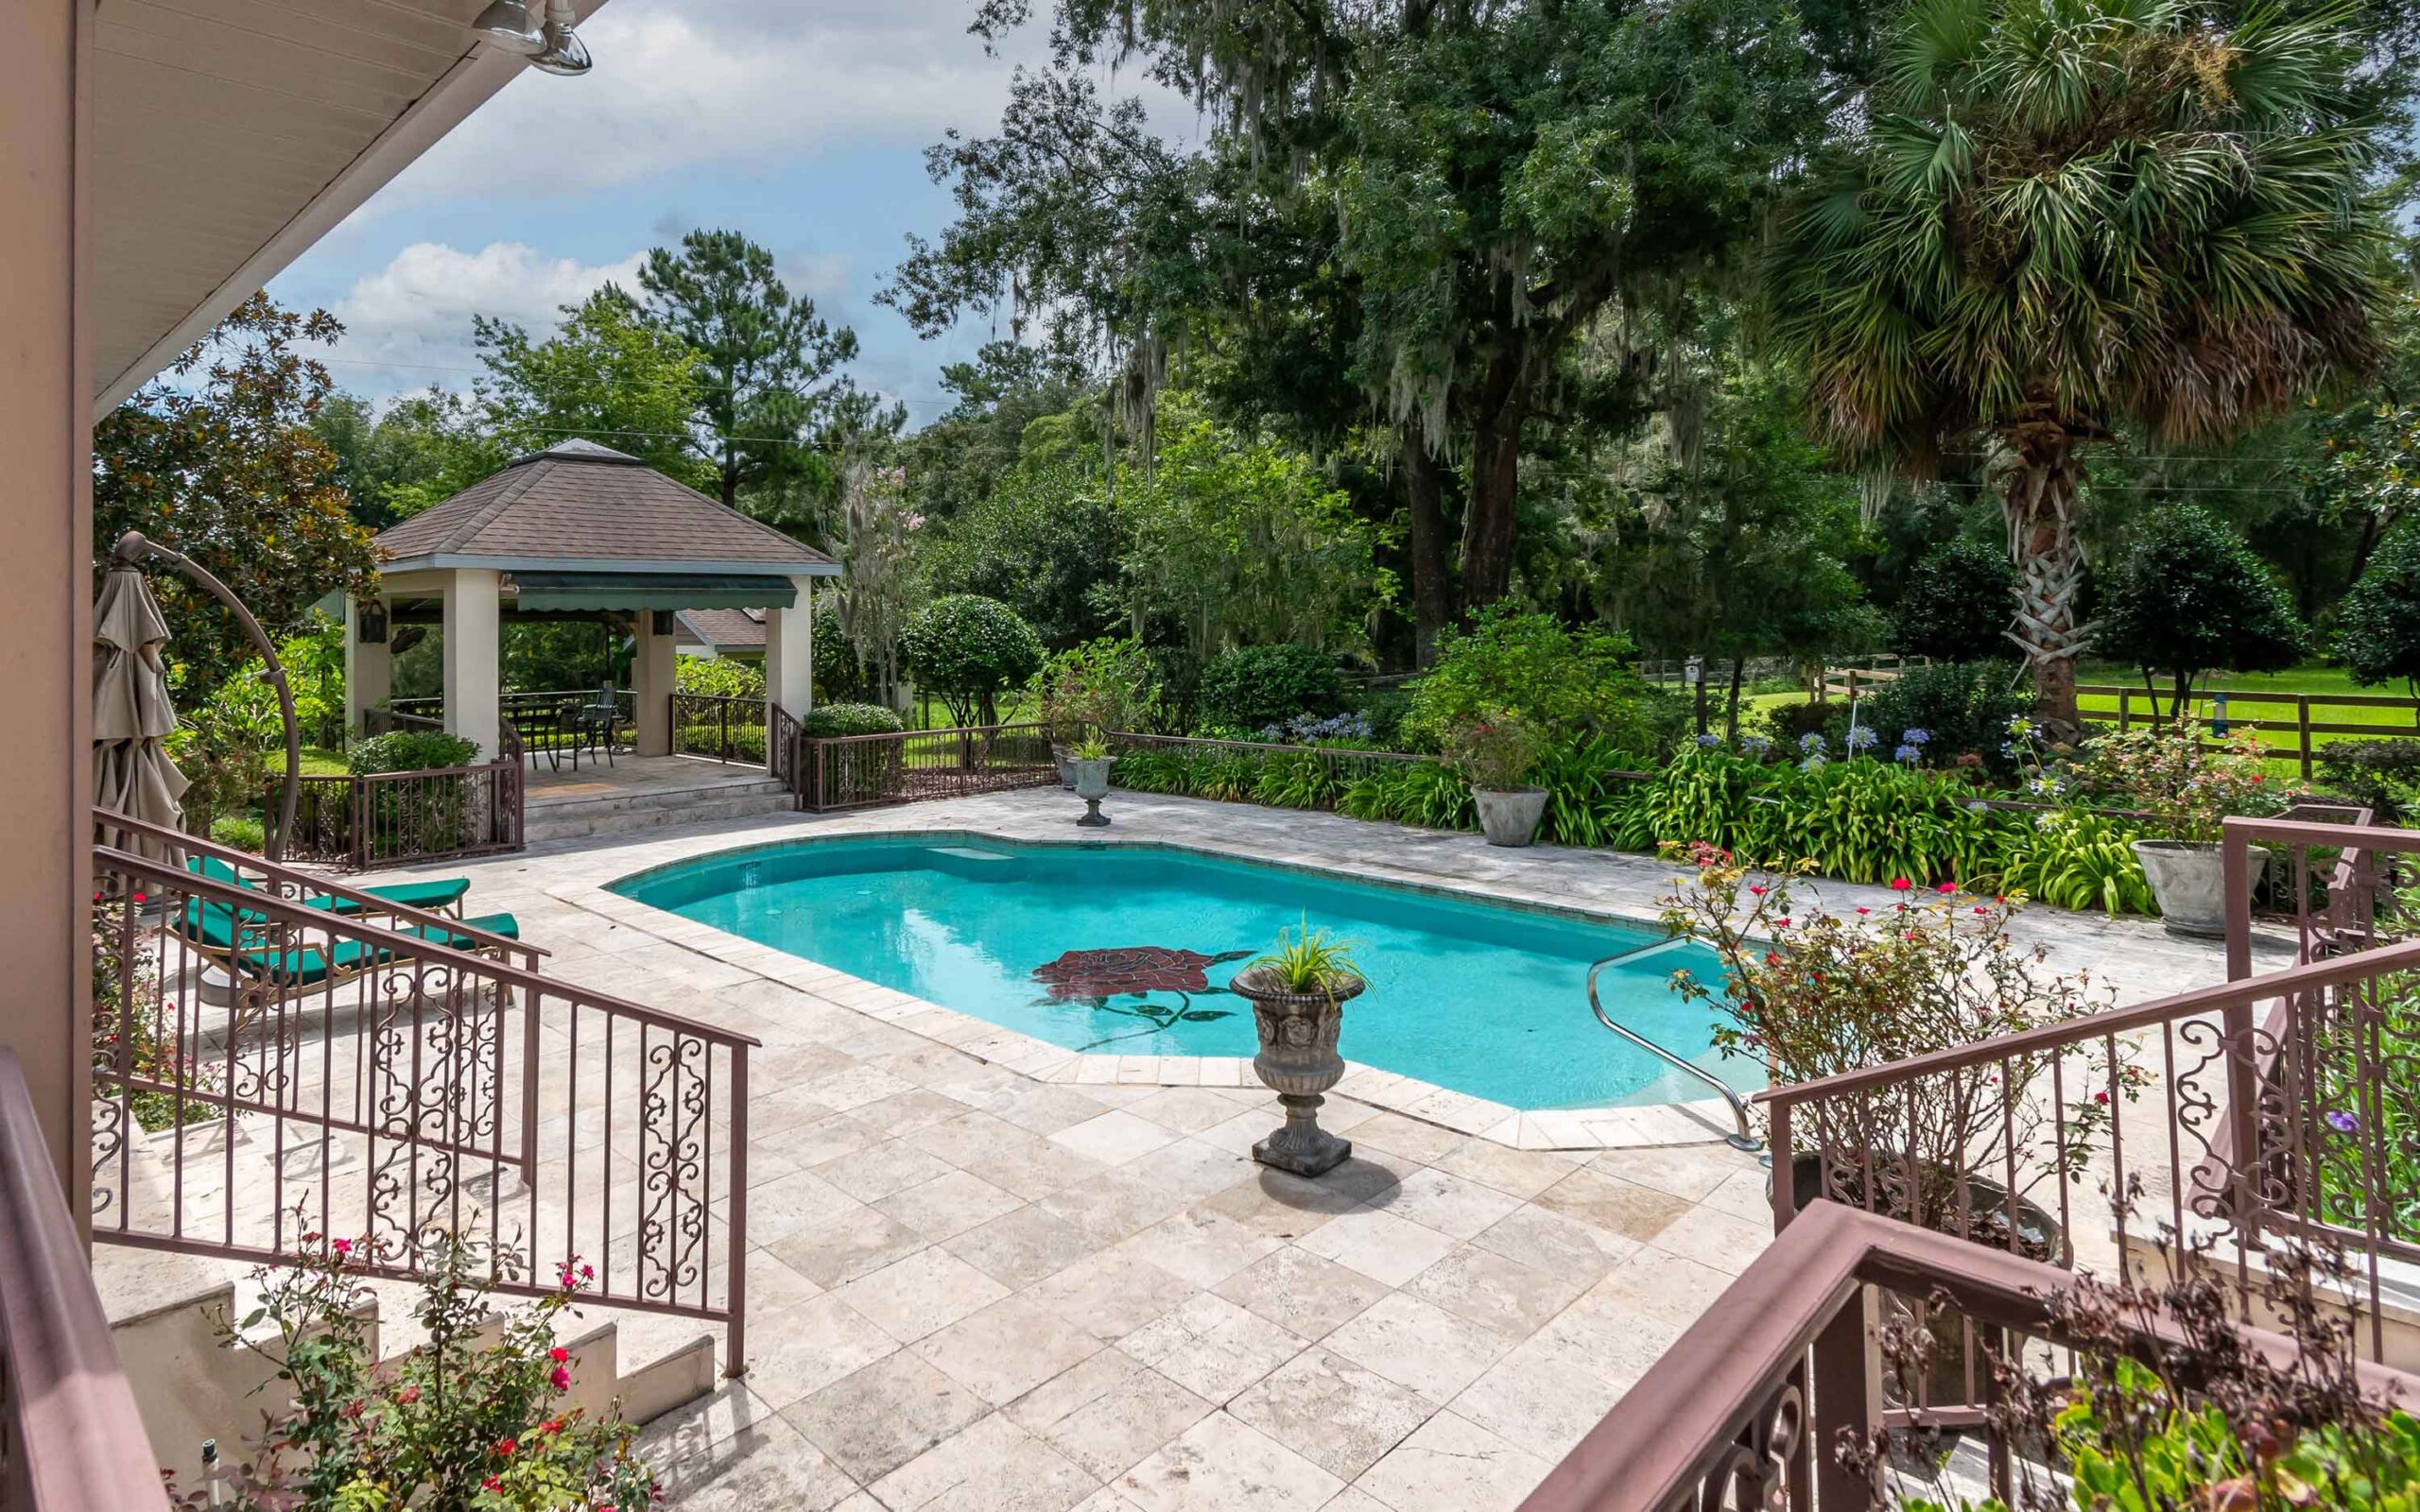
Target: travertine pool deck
[974,1286]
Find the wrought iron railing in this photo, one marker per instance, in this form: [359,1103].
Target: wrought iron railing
[1748,1407]
[275,1055]
[784,740]
[860,771]
[2289,1102]
[724,728]
[71,1438]
[398,819]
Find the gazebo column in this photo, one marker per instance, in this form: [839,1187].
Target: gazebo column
[652,666]
[369,670]
[790,656]
[473,654]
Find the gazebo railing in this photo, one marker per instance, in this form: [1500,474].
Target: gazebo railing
[719,728]
[399,818]
[860,771]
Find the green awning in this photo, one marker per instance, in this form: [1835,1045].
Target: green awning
[546,592]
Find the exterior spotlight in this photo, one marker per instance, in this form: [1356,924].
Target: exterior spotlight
[506,23]
[565,53]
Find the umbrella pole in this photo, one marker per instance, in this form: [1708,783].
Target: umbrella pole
[134,549]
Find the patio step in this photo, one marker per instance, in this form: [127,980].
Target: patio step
[621,813]
[167,1322]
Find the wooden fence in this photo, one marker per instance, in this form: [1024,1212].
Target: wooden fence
[2290,723]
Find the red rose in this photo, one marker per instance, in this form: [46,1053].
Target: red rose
[558,1354]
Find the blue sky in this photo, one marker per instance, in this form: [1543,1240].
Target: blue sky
[802,123]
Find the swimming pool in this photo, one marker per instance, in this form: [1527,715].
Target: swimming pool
[1127,949]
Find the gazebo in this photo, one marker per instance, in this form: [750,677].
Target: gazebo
[583,532]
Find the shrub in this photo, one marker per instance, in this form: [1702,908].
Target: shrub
[1107,684]
[244,831]
[1495,754]
[472,1418]
[411,750]
[1570,683]
[1957,601]
[1255,686]
[1812,993]
[2382,774]
[968,650]
[826,720]
[718,677]
[1964,708]
[740,742]
[2192,597]
[1787,724]
[2188,790]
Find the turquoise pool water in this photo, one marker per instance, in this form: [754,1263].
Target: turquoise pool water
[1127,950]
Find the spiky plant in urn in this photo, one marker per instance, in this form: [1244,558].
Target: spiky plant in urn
[1298,994]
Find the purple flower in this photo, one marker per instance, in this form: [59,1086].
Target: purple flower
[2344,1123]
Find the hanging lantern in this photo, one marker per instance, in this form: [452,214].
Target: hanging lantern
[369,618]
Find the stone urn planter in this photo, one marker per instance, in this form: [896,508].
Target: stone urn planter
[1511,818]
[1298,1061]
[2188,879]
[1090,778]
[1062,756]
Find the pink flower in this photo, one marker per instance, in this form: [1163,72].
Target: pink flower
[1900,884]
[1781,923]
[1759,890]
[560,1378]
[2101,1099]
[342,1246]
[558,1354]
[1865,910]
[1946,888]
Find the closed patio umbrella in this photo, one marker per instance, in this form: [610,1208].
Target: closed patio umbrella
[132,713]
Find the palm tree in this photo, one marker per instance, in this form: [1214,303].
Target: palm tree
[2066,217]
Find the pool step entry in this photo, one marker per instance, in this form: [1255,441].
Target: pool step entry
[1745,1137]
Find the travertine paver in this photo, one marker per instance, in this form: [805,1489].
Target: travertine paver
[976,1288]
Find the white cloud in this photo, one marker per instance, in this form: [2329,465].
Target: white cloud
[737,83]
[410,323]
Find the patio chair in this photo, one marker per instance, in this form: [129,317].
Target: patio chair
[594,721]
[442,896]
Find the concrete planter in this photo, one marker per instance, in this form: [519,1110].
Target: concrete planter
[1091,781]
[2188,879]
[1511,818]
[1298,1061]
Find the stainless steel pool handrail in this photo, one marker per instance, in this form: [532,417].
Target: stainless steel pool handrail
[1744,1138]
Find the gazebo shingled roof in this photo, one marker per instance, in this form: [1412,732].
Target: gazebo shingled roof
[580,502]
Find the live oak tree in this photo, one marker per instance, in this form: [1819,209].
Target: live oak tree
[2066,217]
[222,465]
[1440,197]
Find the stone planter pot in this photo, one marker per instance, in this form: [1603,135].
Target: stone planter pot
[1091,780]
[2188,879]
[1298,1061]
[1066,764]
[1511,818]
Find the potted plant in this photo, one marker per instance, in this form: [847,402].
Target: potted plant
[1497,754]
[1298,994]
[1089,766]
[2189,793]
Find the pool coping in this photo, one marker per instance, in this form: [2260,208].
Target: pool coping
[1702,1121]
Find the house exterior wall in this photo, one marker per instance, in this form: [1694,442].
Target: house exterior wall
[46,559]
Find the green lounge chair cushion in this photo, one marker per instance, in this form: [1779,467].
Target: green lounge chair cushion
[309,966]
[442,893]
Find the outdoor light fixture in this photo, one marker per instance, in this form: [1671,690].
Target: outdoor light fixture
[372,618]
[565,53]
[507,23]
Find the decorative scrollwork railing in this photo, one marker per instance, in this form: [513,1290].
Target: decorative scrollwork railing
[274,1053]
[1747,1408]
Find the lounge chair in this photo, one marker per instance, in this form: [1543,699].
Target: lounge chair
[442,896]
